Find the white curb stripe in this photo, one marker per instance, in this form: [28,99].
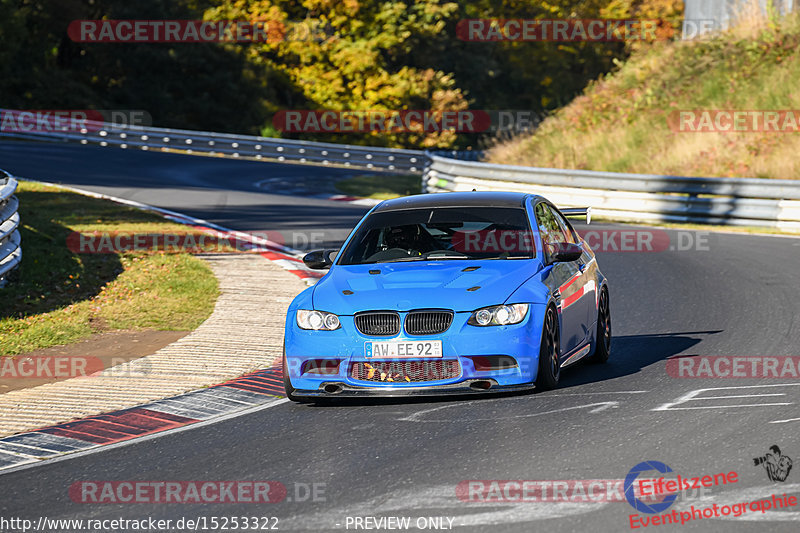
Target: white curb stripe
[95,449]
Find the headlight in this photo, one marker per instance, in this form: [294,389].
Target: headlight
[317,320]
[499,315]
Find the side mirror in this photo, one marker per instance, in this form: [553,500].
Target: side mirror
[567,252]
[319,259]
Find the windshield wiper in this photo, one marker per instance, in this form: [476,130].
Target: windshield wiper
[424,257]
[428,257]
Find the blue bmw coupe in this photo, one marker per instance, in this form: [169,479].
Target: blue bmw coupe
[448,293]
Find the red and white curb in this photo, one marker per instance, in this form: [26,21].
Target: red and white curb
[246,392]
[287,258]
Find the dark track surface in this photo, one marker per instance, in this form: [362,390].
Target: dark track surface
[220,190]
[387,458]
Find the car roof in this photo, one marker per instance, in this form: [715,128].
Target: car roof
[455,199]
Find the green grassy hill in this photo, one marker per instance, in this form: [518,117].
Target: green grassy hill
[620,123]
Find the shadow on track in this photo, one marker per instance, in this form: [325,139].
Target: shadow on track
[632,353]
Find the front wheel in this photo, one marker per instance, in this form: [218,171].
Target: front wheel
[603,338]
[549,363]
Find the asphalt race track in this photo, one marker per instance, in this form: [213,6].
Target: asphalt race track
[737,296]
[224,191]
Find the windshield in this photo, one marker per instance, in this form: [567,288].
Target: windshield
[444,233]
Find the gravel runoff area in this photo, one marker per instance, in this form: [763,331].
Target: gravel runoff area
[244,333]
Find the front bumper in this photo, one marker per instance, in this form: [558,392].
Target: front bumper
[346,390]
[461,342]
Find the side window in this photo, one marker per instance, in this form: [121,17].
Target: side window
[565,226]
[549,228]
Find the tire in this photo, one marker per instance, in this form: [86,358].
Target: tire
[602,349]
[549,364]
[287,383]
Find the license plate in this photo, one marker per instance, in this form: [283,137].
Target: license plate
[400,349]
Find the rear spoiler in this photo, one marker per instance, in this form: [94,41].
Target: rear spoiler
[579,212]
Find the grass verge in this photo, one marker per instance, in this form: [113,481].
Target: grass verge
[624,122]
[380,186]
[752,230]
[61,297]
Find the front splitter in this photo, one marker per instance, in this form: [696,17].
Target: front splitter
[345,390]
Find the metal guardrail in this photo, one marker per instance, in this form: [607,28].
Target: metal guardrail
[223,144]
[10,242]
[636,197]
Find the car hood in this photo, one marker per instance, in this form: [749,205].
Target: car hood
[455,285]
